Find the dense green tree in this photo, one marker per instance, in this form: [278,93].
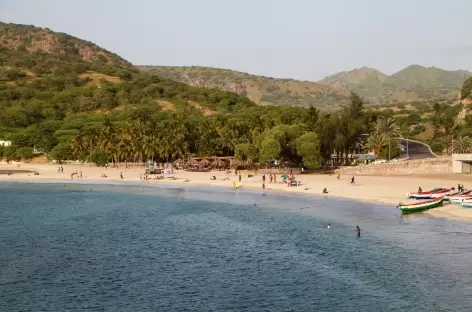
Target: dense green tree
[308,147]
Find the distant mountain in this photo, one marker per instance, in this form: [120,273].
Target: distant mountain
[259,89]
[43,40]
[414,83]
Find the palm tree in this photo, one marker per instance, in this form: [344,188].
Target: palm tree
[462,145]
[79,146]
[376,142]
[387,127]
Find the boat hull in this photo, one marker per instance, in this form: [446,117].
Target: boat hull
[421,206]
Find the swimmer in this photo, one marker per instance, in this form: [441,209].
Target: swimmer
[329,226]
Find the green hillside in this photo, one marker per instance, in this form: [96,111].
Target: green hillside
[97,107]
[414,83]
[262,90]
[51,93]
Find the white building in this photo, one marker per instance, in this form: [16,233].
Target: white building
[5,143]
[461,163]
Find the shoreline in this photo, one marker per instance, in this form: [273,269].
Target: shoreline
[384,190]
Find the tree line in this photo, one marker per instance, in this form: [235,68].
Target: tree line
[53,103]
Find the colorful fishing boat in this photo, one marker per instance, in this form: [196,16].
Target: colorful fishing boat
[457,199]
[467,203]
[427,195]
[421,206]
[444,194]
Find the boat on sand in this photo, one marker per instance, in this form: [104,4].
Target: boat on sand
[467,203]
[435,193]
[421,206]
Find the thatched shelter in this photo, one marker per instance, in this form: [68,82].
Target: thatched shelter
[191,163]
[218,163]
[204,162]
[235,163]
[179,163]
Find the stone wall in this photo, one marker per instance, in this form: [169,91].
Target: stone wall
[407,167]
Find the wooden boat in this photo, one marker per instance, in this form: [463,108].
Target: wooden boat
[421,206]
[467,203]
[459,198]
[438,192]
[444,194]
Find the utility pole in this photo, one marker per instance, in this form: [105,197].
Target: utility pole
[407,152]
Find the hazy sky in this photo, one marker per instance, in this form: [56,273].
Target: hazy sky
[304,39]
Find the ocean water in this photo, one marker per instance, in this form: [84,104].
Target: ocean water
[132,248]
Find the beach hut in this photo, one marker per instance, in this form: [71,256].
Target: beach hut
[204,162]
[191,163]
[218,163]
[179,163]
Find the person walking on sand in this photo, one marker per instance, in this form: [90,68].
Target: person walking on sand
[121,175]
[352,180]
[263,179]
[358,230]
[263,186]
[239,177]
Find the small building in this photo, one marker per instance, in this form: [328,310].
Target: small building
[366,158]
[5,143]
[461,163]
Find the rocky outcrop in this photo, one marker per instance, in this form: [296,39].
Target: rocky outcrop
[408,167]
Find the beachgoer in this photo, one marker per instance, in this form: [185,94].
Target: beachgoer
[121,175]
[463,189]
[140,176]
[329,225]
[213,178]
[358,230]
[62,169]
[338,176]
[325,191]
[263,186]
[352,180]
[270,178]
[239,177]
[420,189]
[263,178]
[459,188]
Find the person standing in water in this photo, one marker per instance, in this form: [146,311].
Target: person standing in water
[329,226]
[358,230]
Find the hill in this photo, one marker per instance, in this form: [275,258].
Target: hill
[36,39]
[55,88]
[261,90]
[413,83]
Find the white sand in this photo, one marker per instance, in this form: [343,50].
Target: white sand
[381,189]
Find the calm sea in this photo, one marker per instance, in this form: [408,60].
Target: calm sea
[116,248]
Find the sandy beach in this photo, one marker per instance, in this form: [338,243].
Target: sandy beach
[380,189]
